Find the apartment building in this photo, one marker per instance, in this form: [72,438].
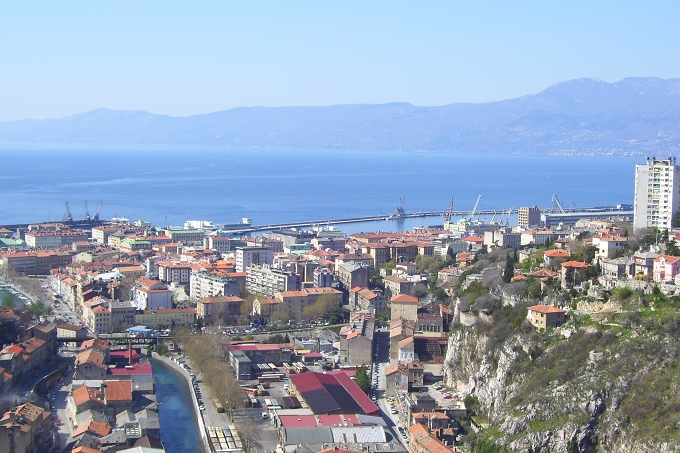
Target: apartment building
[179,273]
[296,301]
[267,281]
[226,309]
[151,294]
[54,239]
[657,193]
[528,216]
[248,256]
[211,284]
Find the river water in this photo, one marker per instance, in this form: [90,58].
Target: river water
[179,428]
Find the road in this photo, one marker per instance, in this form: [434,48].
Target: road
[382,361]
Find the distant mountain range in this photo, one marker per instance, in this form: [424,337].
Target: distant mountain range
[585,116]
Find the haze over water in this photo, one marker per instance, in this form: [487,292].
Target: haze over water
[167,186]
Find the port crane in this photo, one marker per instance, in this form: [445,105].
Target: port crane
[556,205]
[95,217]
[449,214]
[399,213]
[472,213]
[67,215]
[87,212]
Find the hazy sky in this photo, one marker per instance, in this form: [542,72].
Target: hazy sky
[183,58]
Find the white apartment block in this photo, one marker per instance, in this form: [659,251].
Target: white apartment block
[267,281]
[174,272]
[657,193]
[247,256]
[205,284]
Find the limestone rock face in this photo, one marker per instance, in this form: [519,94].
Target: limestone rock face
[582,407]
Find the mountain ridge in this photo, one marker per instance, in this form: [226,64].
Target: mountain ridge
[582,116]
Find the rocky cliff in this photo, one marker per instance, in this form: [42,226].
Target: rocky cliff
[607,386]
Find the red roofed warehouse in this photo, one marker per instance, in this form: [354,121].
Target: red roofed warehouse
[332,394]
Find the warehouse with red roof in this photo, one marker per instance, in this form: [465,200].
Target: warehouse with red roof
[332,394]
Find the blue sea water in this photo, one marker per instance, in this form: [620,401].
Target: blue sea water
[167,186]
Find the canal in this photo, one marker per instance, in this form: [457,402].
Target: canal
[179,428]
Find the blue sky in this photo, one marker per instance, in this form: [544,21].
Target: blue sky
[184,58]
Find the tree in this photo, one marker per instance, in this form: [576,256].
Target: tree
[246,310]
[419,291]
[362,379]
[509,270]
[250,435]
[7,301]
[675,221]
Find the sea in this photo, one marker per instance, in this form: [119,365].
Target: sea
[169,185]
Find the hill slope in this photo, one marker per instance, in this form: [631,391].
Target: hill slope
[585,116]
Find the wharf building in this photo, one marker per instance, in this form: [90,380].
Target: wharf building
[657,193]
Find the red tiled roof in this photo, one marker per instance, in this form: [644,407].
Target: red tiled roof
[404,299]
[118,391]
[546,309]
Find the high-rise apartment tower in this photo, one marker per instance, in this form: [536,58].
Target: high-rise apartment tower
[657,193]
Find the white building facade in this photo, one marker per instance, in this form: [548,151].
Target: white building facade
[657,193]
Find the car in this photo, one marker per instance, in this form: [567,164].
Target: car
[265,415]
[201,407]
[393,411]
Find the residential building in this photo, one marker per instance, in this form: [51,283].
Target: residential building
[395,285]
[179,273]
[122,314]
[294,302]
[404,306]
[550,256]
[528,216]
[422,441]
[644,263]
[267,281]
[366,299]
[657,193]
[573,270]
[248,256]
[503,238]
[212,284]
[151,294]
[323,277]
[26,428]
[665,268]
[224,309]
[618,268]
[609,245]
[352,274]
[362,259]
[544,316]
[401,376]
[163,318]
[356,340]
[54,239]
